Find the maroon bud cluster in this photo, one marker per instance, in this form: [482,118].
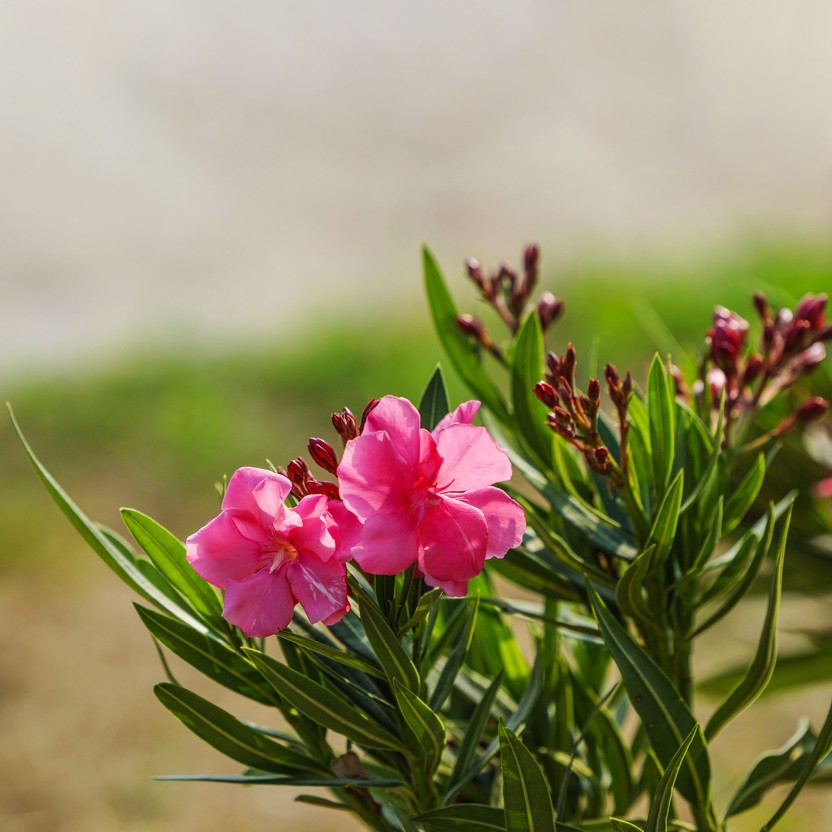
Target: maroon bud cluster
[345,425]
[323,454]
[476,328]
[510,293]
[574,415]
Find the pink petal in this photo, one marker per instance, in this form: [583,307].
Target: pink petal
[313,535]
[429,460]
[373,475]
[388,544]
[346,531]
[453,589]
[464,415]
[471,459]
[399,419]
[261,604]
[241,487]
[220,553]
[505,519]
[453,538]
[319,586]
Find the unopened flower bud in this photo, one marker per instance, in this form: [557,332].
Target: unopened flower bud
[753,367]
[546,393]
[761,305]
[371,406]
[569,362]
[727,339]
[531,260]
[328,489]
[323,454]
[549,309]
[562,416]
[474,270]
[594,389]
[812,410]
[811,310]
[471,325]
[345,425]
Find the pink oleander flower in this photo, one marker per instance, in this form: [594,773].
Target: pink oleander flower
[268,557]
[427,497]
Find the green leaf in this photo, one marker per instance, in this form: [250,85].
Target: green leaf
[207,654]
[663,796]
[426,727]
[455,343]
[629,592]
[116,558]
[761,668]
[168,555]
[475,817]
[526,367]
[322,705]
[228,735]
[664,714]
[660,407]
[434,403]
[621,825]
[473,734]
[265,780]
[330,652]
[823,747]
[667,519]
[445,683]
[743,496]
[783,765]
[526,797]
[396,664]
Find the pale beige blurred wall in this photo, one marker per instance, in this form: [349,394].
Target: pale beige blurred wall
[214,168]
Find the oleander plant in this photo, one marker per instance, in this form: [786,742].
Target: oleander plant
[483,616]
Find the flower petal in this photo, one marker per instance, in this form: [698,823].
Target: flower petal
[346,530]
[388,544]
[220,553]
[400,420]
[240,492]
[320,587]
[505,519]
[373,475]
[313,535]
[464,415]
[471,459]
[453,538]
[261,604]
[453,589]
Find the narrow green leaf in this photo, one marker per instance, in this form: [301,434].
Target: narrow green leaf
[629,592]
[761,668]
[445,683]
[664,714]
[168,555]
[784,765]
[124,566]
[426,728]
[265,780]
[396,664]
[526,368]
[663,796]
[660,404]
[322,705]
[526,797]
[743,496]
[823,747]
[333,653]
[473,734]
[475,817]
[207,654]
[456,344]
[667,519]
[433,405]
[621,825]
[228,735]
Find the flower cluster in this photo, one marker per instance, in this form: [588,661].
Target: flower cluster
[405,497]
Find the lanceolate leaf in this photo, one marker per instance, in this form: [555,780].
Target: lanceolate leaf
[529,411]
[330,652]
[662,423]
[322,705]
[663,797]
[426,727]
[664,714]
[168,555]
[526,798]
[434,403]
[266,780]
[667,519]
[207,654]
[123,565]
[762,666]
[230,736]
[742,498]
[629,592]
[475,817]
[456,344]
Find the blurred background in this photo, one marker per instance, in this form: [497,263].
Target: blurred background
[210,217]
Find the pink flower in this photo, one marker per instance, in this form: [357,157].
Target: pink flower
[426,497]
[268,557]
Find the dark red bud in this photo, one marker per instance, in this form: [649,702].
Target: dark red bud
[594,389]
[811,309]
[470,325]
[297,470]
[549,309]
[371,406]
[753,367]
[613,379]
[323,454]
[562,416]
[602,454]
[345,424]
[761,305]
[812,410]
[627,387]
[328,489]
[546,393]
[474,270]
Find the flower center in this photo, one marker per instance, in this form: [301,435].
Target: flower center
[279,552]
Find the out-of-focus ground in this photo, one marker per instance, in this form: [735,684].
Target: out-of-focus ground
[181,177]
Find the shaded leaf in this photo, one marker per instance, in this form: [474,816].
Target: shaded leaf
[476,817]
[433,405]
[526,797]
[663,796]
